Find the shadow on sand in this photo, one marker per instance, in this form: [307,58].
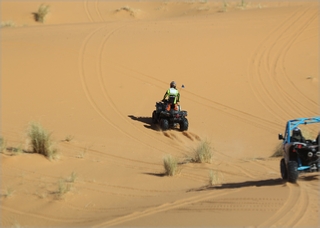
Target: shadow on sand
[259,183]
[146,120]
[156,174]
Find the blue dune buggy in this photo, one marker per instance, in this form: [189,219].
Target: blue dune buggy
[299,156]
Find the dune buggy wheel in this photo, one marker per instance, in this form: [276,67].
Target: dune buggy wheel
[184,124]
[293,172]
[164,124]
[283,169]
[154,117]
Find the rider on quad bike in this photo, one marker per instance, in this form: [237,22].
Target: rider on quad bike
[173,97]
[168,113]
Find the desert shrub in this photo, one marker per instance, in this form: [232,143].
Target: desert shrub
[131,11]
[202,153]
[225,6]
[41,13]
[40,140]
[243,4]
[215,178]
[72,178]
[63,188]
[8,24]
[8,192]
[170,165]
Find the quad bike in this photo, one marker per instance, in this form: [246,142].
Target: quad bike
[169,119]
[299,157]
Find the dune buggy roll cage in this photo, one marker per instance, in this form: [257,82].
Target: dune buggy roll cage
[291,124]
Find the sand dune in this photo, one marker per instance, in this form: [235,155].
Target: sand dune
[91,74]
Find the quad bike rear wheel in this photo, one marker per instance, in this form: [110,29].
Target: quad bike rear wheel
[293,172]
[283,169]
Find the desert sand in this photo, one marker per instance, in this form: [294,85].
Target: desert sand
[91,74]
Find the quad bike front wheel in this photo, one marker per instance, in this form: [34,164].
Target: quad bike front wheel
[184,124]
[164,124]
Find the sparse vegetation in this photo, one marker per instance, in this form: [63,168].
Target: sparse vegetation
[41,13]
[204,8]
[215,178]
[202,153]
[8,192]
[72,178]
[41,142]
[16,150]
[8,24]
[63,188]
[83,152]
[243,4]
[68,138]
[2,145]
[64,185]
[225,6]
[41,195]
[132,12]
[203,1]
[170,165]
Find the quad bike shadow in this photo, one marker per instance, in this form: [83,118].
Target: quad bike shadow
[146,120]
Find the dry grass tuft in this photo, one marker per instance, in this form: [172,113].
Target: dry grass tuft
[8,24]
[224,6]
[68,138]
[41,142]
[202,153]
[72,178]
[63,188]
[131,11]
[7,193]
[170,165]
[242,4]
[215,178]
[42,13]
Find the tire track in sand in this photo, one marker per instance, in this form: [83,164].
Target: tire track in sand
[112,104]
[280,63]
[96,9]
[86,8]
[93,95]
[162,208]
[292,210]
[233,112]
[264,64]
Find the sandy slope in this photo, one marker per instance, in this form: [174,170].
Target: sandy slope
[95,69]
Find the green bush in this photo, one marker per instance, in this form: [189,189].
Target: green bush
[40,140]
